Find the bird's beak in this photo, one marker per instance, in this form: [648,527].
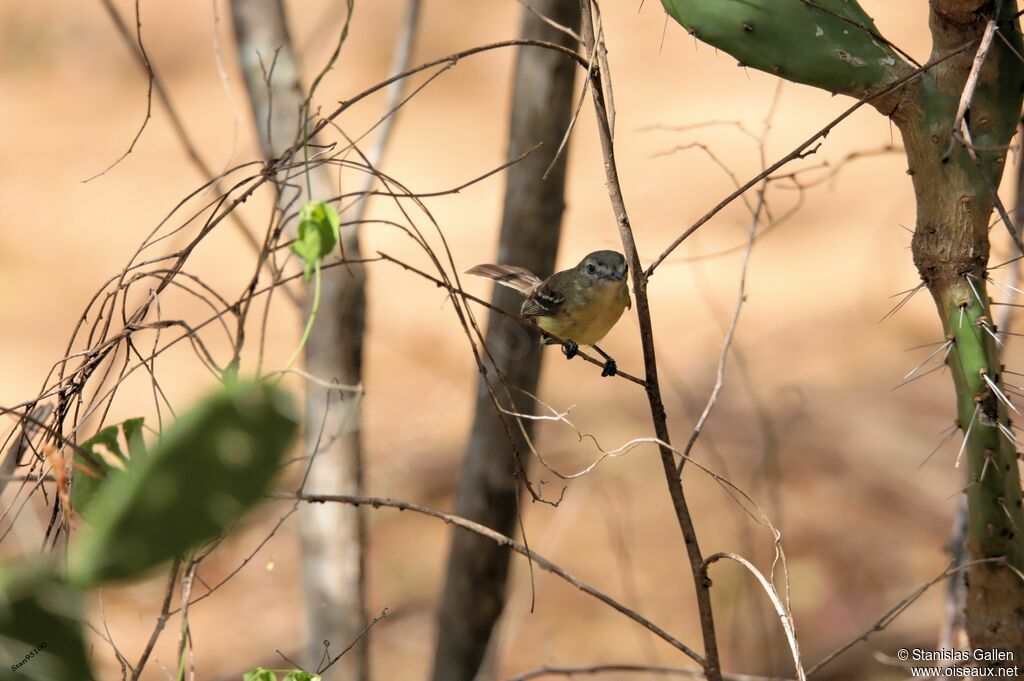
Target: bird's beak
[617,276]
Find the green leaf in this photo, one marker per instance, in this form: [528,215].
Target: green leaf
[299,675]
[261,674]
[88,482]
[318,233]
[132,429]
[40,630]
[212,464]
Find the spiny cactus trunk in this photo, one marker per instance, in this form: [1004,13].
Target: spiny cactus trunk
[833,44]
[951,252]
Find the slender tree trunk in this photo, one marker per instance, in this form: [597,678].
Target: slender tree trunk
[332,534]
[542,103]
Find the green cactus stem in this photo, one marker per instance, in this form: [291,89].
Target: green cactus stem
[834,48]
[993,487]
[212,464]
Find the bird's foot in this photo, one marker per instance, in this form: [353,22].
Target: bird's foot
[610,367]
[570,349]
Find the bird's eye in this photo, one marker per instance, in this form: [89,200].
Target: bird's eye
[591,269]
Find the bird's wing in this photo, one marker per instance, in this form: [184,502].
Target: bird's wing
[545,301]
[518,278]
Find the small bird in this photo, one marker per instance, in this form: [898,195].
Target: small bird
[579,305]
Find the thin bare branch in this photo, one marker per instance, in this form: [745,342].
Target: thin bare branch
[541,561]
[161,620]
[711,664]
[892,613]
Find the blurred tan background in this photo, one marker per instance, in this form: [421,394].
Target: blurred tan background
[808,421]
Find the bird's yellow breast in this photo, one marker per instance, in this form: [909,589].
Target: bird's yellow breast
[595,312]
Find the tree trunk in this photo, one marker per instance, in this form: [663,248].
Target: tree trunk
[332,534]
[542,103]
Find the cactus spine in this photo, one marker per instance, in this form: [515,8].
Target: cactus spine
[834,45]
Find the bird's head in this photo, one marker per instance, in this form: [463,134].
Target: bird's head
[603,266]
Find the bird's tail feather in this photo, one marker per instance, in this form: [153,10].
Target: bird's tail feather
[518,278]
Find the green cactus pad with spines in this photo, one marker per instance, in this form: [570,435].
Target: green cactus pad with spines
[796,40]
[40,629]
[212,464]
